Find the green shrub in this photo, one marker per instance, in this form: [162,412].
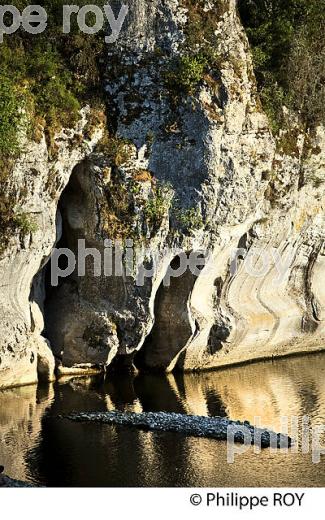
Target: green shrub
[273,98]
[157,205]
[55,71]
[199,49]
[288,43]
[12,220]
[57,104]
[25,223]
[10,117]
[190,219]
[200,30]
[185,73]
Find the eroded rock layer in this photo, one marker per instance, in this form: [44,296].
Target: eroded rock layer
[189,166]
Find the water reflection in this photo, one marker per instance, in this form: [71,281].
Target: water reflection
[21,413]
[291,387]
[38,446]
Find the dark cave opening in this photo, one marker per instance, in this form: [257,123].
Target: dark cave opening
[46,294]
[61,243]
[173,325]
[60,289]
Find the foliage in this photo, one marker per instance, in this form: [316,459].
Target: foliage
[54,71]
[199,50]
[189,219]
[24,222]
[116,149]
[12,220]
[288,41]
[200,31]
[11,118]
[185,73]
[157,205]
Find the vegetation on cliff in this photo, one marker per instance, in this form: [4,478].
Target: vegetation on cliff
[44,81]
[288,42]
[47,76]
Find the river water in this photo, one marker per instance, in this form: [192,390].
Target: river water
[38,446]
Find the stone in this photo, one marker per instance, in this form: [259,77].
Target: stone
[218,428]
[197,173]
[45,361]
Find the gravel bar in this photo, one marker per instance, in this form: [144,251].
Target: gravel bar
[218,428]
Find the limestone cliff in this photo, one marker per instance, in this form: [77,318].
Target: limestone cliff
[27,239]
[189,165]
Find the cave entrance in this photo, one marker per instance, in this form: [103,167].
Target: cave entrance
[70,228]
[48,297]
[174,324]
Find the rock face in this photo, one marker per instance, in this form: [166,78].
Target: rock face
[34,187]
[190,167]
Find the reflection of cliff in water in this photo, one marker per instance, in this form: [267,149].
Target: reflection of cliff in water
[289,387]
[39,446]
[21,413]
